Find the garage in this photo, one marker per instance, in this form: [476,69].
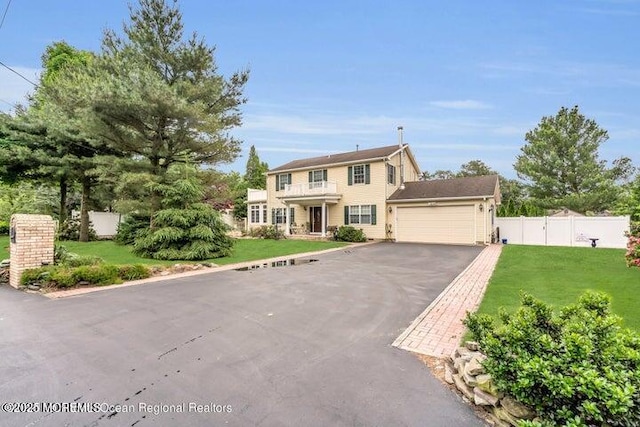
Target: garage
[436,224]
[451,211]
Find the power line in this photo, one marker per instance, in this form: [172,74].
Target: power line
[14,71]
[4,15]
[7,102]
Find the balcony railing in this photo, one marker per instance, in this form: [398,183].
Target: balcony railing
[310,189]
[256,195]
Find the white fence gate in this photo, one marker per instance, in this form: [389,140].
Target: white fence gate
[565,231]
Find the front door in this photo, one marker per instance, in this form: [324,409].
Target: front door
[315,213]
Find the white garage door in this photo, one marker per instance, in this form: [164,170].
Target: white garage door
[436,224]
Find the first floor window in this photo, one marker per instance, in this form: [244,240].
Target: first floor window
[360,214]
[279,216]
[255,212]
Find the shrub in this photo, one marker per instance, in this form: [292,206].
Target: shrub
[185,229]
[575,368]
[61,277]
[104,274]
[347,233]
[129,229]
[267,232]
[133,272]
[4,228]
[70,230]
[35,275]
[60,253]
[64,276]
[75,260]
[633,251]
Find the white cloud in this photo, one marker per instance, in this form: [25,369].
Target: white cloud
[13,88]
[467,104]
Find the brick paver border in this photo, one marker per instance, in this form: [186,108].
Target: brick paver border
[438,329]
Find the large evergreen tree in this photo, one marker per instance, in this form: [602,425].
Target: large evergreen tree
[157,95]
[561,165]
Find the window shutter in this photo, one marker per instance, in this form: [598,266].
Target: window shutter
[324,174]
[289,179]
[367,174]
[346,215]
[277,182]
[273,216]
[350,177]
[373,214]
[292,216]
[310,176]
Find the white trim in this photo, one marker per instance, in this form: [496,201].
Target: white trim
[440,199]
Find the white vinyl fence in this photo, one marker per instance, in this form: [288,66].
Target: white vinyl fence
[105,223]
[565,231]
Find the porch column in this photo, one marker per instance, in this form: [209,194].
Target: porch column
[324,219]
[287,228]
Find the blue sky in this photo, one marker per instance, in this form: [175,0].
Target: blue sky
[465,79]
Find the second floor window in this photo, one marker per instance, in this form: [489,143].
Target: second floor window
[359,174]
[282,181]
[391,174]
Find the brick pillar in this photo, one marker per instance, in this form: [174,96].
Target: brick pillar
[31,244]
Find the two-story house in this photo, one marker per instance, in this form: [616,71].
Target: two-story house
[376,190]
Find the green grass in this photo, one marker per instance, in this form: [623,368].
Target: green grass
[244,250]
[4,247]
[558,275]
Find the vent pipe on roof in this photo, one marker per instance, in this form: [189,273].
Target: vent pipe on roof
[401,145]
[357,147]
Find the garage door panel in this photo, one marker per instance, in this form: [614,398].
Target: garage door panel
[436,224]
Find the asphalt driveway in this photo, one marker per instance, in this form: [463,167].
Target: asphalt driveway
[299,345]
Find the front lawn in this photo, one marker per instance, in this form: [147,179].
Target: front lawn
[558,275]
[243,250]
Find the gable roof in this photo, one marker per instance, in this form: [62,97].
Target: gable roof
[332,159]
[454,188]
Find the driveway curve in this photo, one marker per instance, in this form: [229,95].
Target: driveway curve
[300,345]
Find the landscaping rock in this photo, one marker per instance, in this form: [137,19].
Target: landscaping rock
[483,398]
[470,380]
[5,263]
[517,409]
[474,367]
[472,345]
[502,414]
[485,383]
[459,364]
[462,352]
[497,422]
[33,287]
[463,387]
[448,373]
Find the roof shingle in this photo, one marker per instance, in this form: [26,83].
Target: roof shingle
[472,186]
[331,159]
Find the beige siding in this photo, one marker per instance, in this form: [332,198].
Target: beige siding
[374,193]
